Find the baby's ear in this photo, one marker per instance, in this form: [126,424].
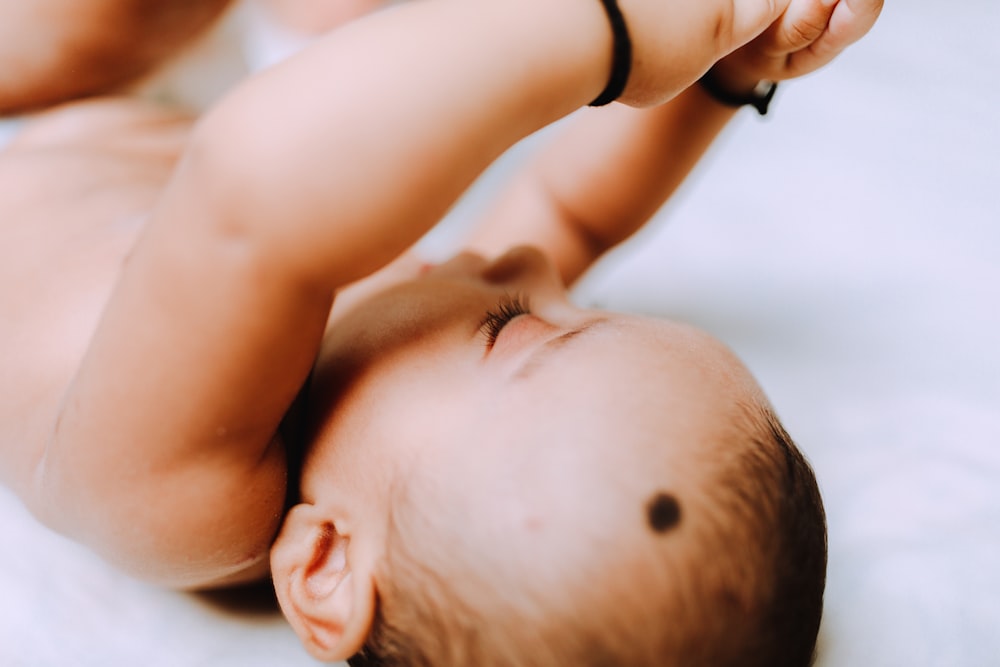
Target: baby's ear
[325,587]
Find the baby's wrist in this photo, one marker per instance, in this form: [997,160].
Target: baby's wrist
[621,63]
[729,75]
[671,44]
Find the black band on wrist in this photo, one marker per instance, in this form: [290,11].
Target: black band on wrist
[759,98]
[621,63]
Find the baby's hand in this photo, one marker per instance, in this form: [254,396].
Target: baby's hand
[807,36]
[675,41]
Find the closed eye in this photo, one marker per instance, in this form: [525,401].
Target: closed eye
[507,309]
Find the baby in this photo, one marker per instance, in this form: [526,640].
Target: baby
[465,468]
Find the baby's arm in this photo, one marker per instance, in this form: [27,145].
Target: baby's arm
[303,180]
[599,180]
[605,174]
[315,17]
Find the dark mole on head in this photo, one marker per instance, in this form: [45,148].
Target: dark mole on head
[663,512]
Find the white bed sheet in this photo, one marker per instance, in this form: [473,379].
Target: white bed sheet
[848,248]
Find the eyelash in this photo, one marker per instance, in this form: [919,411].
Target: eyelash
[506,310]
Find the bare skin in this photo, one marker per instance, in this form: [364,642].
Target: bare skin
[89,186]
[313,18]
[52,51]
[74,189]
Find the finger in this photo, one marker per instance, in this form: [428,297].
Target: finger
[851,20]
[803,22]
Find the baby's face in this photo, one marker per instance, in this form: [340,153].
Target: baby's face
[483,377]
[514,444]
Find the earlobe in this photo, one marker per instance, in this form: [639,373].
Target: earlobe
[325,584]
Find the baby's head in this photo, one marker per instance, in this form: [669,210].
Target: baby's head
[489,486]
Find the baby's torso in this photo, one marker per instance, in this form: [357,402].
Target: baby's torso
[75,186]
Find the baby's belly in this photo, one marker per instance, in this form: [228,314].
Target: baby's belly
[69,215]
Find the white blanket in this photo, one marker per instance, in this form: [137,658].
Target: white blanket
[848,248]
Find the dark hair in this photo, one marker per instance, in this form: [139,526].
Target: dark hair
[756,598]
[800,561]
[771,507]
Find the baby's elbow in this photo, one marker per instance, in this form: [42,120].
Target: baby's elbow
[181,532]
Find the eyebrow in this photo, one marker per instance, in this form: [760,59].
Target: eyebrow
[540,356]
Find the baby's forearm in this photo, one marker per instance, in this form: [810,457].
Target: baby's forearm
[360,144]
[600,179]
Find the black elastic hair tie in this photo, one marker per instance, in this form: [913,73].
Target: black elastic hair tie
[759,98]
[621,63]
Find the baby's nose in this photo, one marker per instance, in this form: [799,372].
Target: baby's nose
[462,264]
[515,264]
